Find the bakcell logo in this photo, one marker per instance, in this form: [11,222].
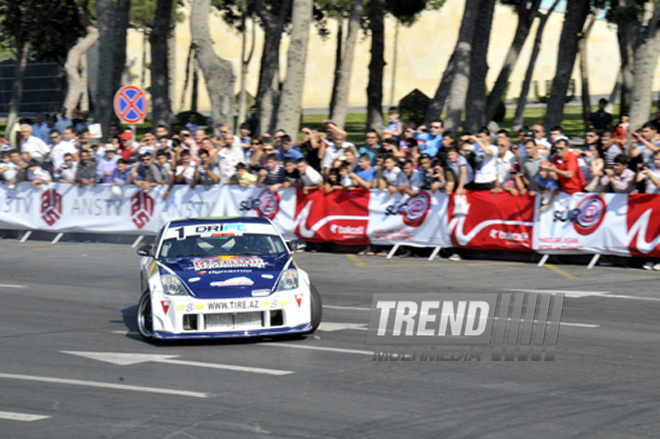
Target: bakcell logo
[269,204]
[591,213]
[51,206]
[417,209]
[142,208]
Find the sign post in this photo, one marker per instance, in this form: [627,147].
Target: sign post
[130,105]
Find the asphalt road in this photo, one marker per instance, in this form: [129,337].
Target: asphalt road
[62,302]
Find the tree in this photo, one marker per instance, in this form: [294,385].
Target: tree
[268,89]
[28,28]
[158,40]
[576,15]
[584,69]
[640,40]
[288,113]
[377,64]
[218,73]
[460,79]
[525,11]
[475,109]
[517,122]
[75,83]
[112,21]
[341,88]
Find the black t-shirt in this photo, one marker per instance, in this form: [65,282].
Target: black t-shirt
[312,155]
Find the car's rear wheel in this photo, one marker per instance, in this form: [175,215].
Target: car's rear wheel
[316,308]
[145,317]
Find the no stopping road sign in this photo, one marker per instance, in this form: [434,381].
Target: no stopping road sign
[130,104]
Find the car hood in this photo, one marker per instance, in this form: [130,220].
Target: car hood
[228,276]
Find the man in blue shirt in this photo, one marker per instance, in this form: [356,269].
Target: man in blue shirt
[288,150]
[364,174]
[372,144]
[432,141]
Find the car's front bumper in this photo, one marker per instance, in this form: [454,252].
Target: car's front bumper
[301,329]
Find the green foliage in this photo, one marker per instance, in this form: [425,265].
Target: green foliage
[50,27]
[412,108]
[408,11]
[143,13]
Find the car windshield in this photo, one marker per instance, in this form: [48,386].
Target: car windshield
[202,246]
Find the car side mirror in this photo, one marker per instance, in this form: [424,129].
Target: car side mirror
[146,250]
[296,245]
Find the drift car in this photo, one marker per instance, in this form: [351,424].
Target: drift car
[229,277]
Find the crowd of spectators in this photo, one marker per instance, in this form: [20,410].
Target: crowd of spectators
[401,158]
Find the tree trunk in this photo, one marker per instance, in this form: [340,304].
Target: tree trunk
[343,82]
[525,19]
[112,25]
[376,65]
[475,114]
[76,84]
[160,71]
[584,70]
[576,14]
[245,63]
[518,119]
[461,73]
[195,86]
[17,91]
[645,60]
[218,73]
[289,110]
[269,69]
[434,111]
[338,55]
[186,80]
[627,62]
[395,60]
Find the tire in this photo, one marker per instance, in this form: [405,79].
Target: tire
[316,308]
[145,317]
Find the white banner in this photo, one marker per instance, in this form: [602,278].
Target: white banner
[420,220]
[583,223]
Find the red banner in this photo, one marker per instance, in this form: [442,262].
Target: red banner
[493,222]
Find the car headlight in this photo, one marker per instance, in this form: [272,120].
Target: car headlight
[172,285]
[288,280]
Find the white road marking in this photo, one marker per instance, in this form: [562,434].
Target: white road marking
[11,416]
[126,332]
[332,326]
[316,348]
[11,376]
[350,308]
[130,359]
[577,325]
[11,286]
[578,294]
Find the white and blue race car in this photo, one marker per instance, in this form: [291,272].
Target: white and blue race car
[223,277]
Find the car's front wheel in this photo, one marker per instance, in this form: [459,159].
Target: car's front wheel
[145,317]
[316,308]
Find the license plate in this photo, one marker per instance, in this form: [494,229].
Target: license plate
[219,321]
[245,319]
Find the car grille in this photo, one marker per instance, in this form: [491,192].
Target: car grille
[233,321]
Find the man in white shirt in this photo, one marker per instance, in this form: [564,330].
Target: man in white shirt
[59,148]
[486,161]
[34,146]
[310,177]
[230,153]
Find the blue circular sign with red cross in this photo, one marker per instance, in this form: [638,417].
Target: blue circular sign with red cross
[130,104]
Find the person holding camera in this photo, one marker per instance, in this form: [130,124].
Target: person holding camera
[207,173]
[651,175]
[230,153]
